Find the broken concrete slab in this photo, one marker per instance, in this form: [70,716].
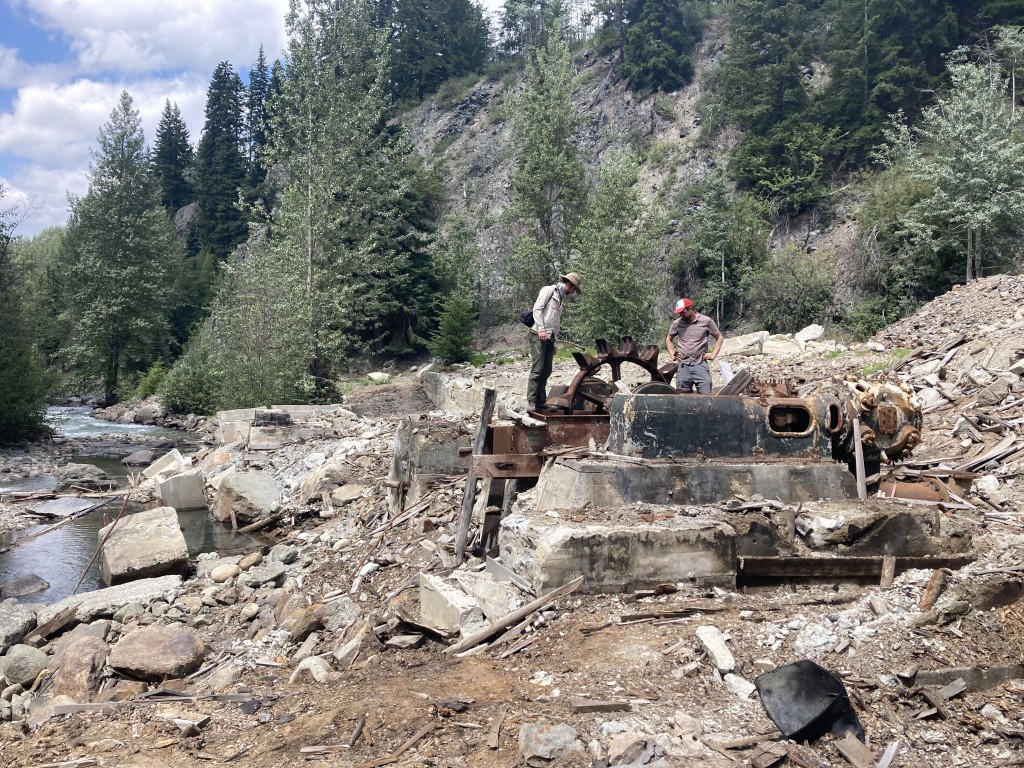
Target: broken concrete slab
[171,461]
[496,599]
[446,607]
[141,546]
[104,603]
[714,643]
[182,491]
[619,557]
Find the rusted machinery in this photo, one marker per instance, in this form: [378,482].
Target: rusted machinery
[746,421]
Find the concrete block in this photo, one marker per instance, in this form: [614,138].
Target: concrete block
[606,484]
[172,460]
[444,606]
[496,599]
[184,491]
[144,545]
[619,557]
[271,438]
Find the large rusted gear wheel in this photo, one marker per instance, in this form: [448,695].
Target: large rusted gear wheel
[590,392]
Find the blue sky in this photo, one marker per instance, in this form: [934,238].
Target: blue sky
[64,63]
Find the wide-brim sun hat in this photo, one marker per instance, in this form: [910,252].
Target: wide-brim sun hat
[575,279]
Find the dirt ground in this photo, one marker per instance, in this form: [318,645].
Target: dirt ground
[638,651]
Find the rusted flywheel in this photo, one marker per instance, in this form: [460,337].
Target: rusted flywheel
[591,390]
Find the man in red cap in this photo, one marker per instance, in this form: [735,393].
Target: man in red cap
[687,343]
[547,319]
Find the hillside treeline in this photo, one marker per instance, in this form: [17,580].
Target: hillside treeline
[300,232]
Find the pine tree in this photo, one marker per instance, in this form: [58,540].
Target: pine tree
[548,182]
[656,55]
[120,256]
[172,159]
[352,212]
[615,256]
[220,166]
[256,126]
[22,381]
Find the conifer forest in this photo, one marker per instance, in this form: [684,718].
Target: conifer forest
[306,227]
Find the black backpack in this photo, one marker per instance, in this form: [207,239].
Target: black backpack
[526,316]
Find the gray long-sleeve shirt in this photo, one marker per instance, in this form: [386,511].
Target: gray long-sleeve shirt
[547,310]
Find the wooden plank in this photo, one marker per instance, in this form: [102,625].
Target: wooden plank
[468,496]
[495,732]
[58,622]
[855,751]
[408,744]
[888,571]
[507,465]
[840,567]
[515,616]
[595,705]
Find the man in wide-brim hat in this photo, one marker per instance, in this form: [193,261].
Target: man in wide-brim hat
[547,319]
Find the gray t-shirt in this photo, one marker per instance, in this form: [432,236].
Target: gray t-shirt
[691,338]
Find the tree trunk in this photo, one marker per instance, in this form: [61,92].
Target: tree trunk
[970,256]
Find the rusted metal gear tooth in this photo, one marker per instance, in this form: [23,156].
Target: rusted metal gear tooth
[627,346]
[585,361]
[650,353]
[603,350]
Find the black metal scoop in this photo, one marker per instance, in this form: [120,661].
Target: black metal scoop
[806,701]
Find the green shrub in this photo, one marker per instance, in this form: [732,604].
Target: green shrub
[192,385]
[150,383]
[872,315]
[793,291]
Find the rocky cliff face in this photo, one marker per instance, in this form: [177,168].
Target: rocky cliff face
[470,142]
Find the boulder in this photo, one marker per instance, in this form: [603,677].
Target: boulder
[157,653]
[80,670]
[379,377]
[994,393]
[542,744]
[246,497]
[780,345]
[347,493]
[332,473]
[22,664]
[141,458]
[810,333]
[16,620]
[143,545]
[85,476]
[23,586]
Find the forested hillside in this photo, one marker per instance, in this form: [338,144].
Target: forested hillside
[407,172]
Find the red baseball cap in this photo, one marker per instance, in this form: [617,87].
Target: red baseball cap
[681,306]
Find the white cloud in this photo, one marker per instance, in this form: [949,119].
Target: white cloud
[155,49]
[132,37]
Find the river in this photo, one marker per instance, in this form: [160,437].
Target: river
[62,554]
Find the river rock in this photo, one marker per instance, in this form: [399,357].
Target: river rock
[139,459]
[22,664]
[22,586]
[155,653]
[80,671]
[223,572]
[143,545]
[267,573]
[246,497]
[283,553]
[84,476]
[16,620]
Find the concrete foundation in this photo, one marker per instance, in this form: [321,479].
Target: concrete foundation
[619,557]
[575,484]
[184,491]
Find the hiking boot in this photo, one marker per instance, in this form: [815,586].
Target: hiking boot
[531,406]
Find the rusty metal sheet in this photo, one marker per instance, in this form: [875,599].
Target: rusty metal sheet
[65,507]
[508,465]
